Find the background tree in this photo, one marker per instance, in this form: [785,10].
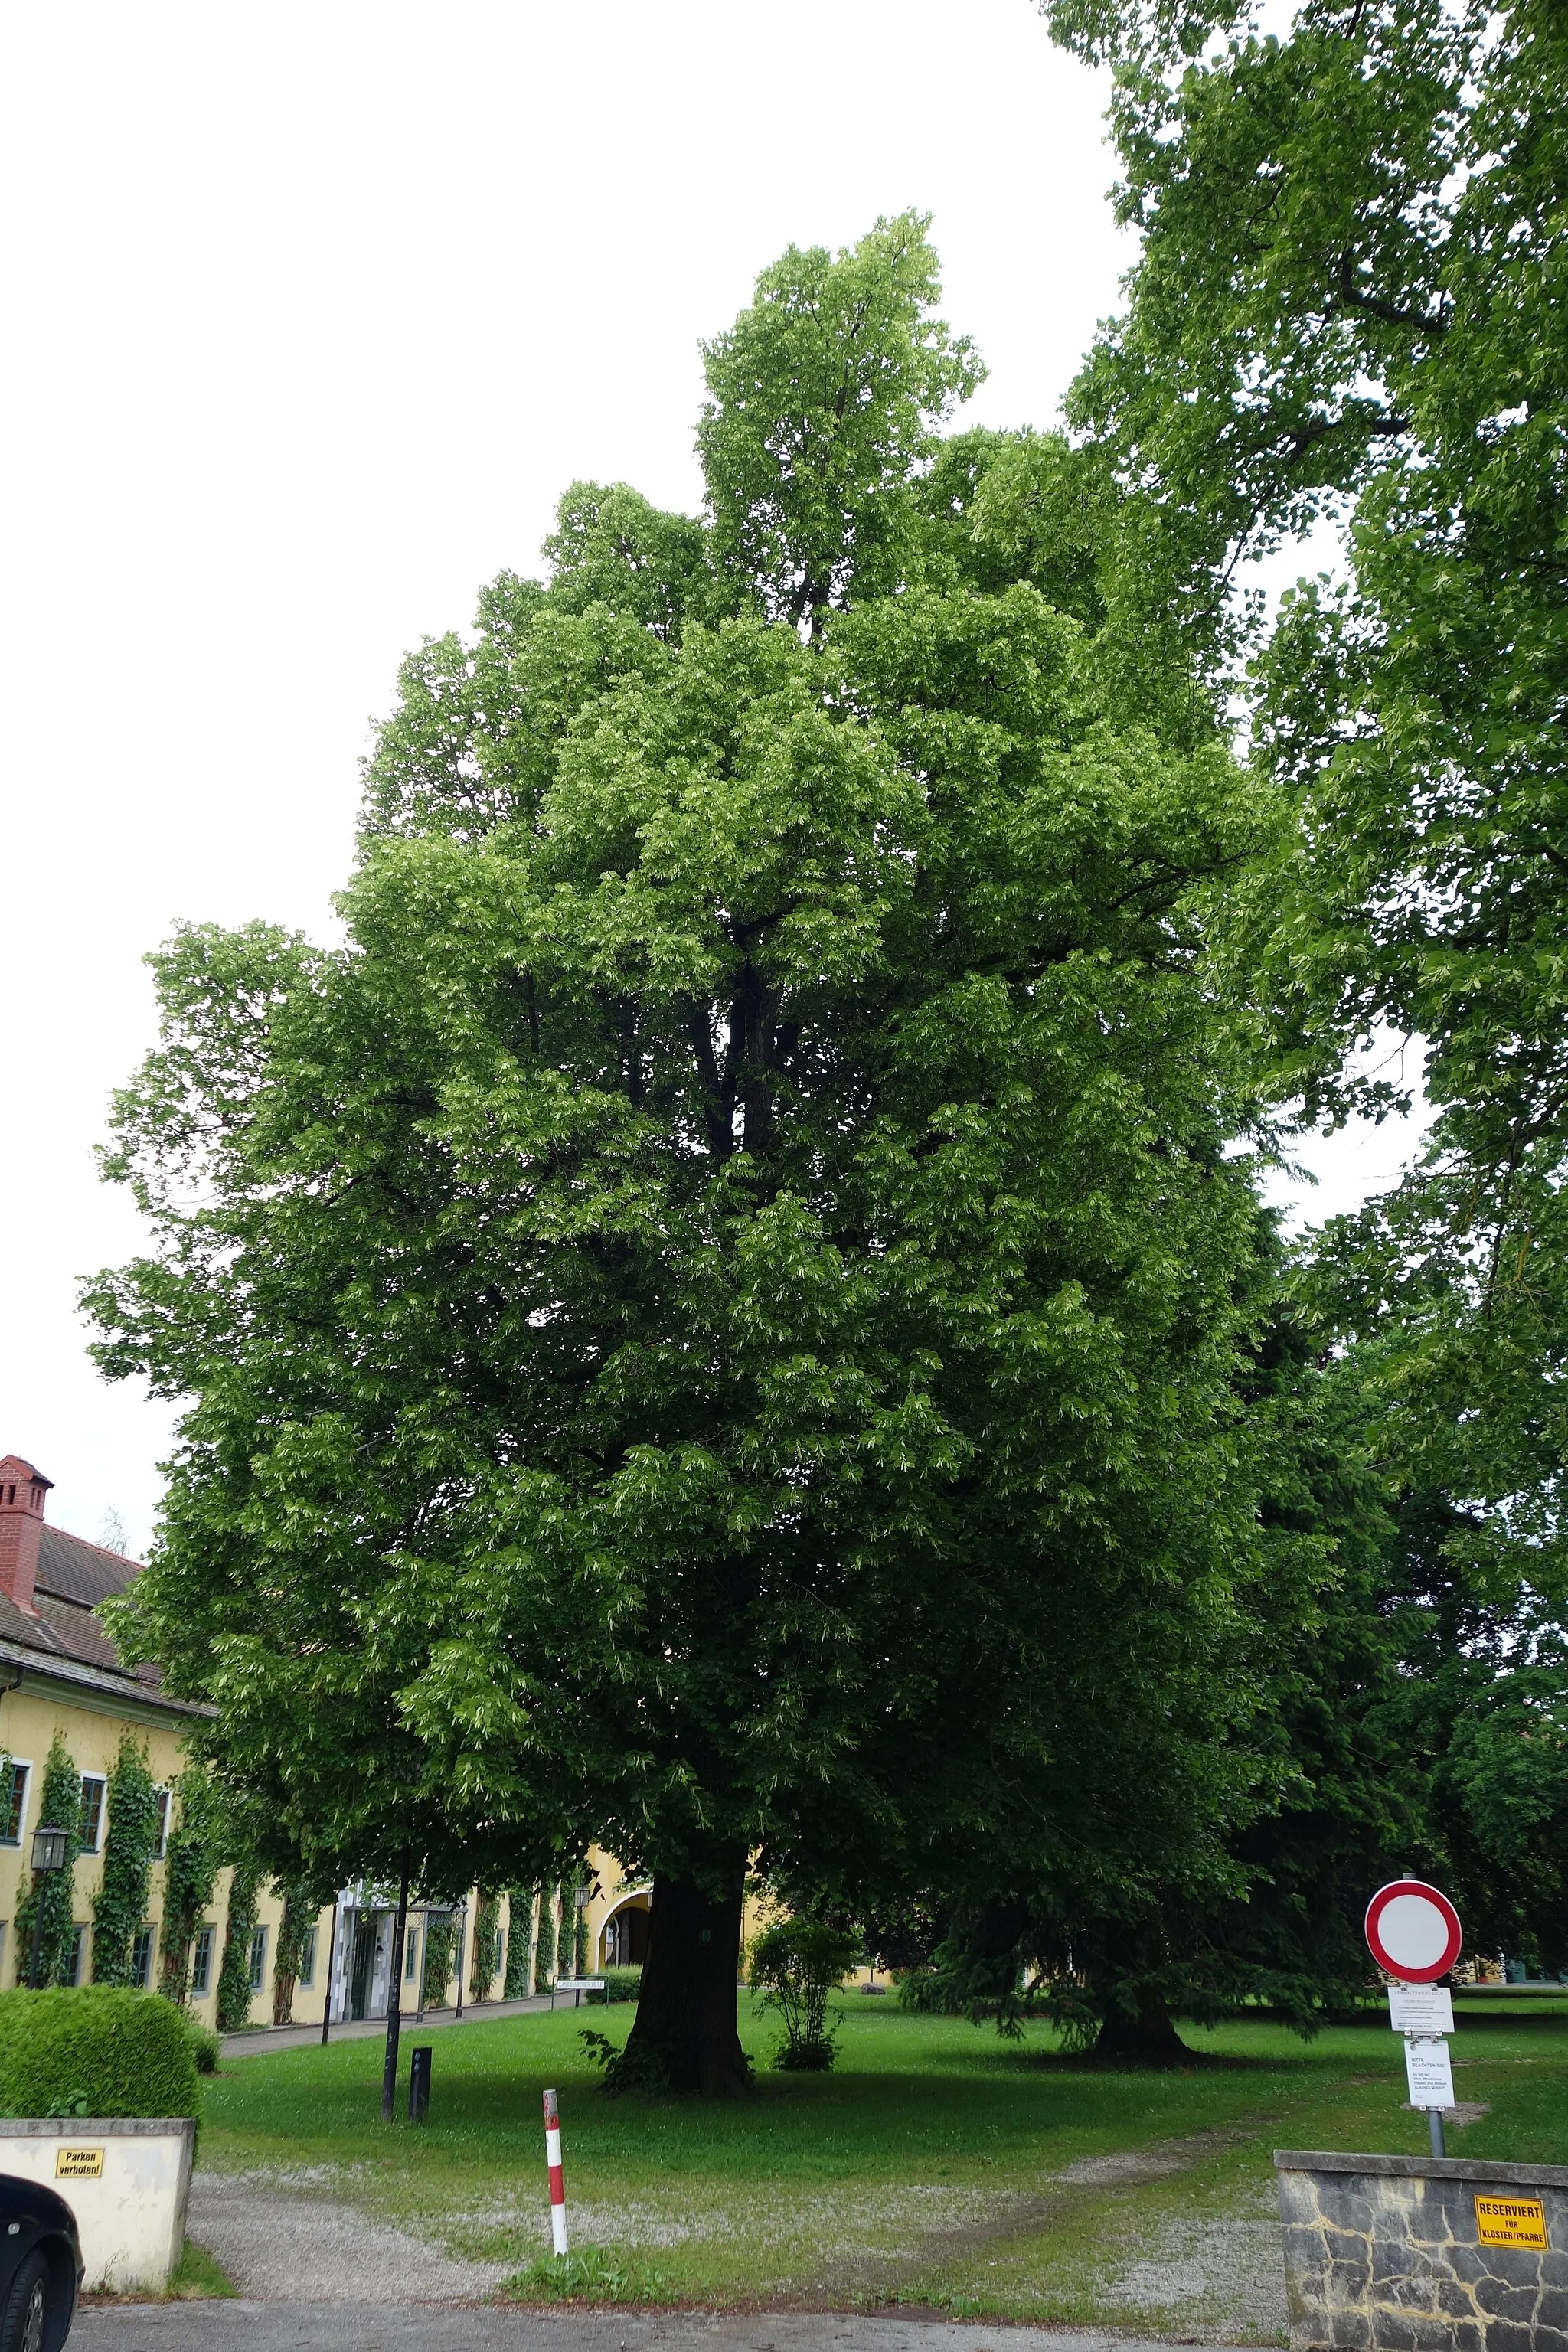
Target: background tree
[53,1892]
[740,1265]
[1420,1727]
[1347,304]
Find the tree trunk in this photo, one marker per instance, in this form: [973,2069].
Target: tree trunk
[1145,2037]
[685,2037]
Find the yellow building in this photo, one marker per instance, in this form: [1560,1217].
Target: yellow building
[60,1677]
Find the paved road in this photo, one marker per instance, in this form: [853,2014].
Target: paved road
[433,2328]
[264,2038]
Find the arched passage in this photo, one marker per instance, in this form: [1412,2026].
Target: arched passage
[623,1938]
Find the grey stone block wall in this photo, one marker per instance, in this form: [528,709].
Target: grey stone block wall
[1381,2255]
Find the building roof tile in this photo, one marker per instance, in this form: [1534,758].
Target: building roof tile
[74,1576]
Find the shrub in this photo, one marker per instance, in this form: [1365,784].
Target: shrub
[95,2050]
[205,2049]
[620,1984]
[794,1965]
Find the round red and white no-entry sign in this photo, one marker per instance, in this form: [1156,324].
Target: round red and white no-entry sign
[1413,1931]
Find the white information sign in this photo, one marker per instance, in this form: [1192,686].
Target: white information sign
[1420,2009]
[1429,2074]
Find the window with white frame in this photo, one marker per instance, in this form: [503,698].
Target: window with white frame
[258,1958]
[141,1958]
[90,1826]
[308,1960]
[165,1800]
[202,1962]
[411,1956]
[13,1803]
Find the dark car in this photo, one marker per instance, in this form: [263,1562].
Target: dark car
[40,2266]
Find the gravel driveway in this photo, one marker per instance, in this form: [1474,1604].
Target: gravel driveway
[281,2245]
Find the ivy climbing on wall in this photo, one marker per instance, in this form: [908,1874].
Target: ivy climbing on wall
[234,1977]
[518,1942]
[119,1906]
[194,1859]
[61,1808]
[487,1919]
[439,1929]
[301,1906]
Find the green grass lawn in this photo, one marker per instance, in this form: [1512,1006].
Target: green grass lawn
[926,2168]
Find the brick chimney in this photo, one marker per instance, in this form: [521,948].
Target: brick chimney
[22,1492]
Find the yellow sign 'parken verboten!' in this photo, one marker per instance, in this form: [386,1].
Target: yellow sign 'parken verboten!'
[1511,2221]
[79,2164]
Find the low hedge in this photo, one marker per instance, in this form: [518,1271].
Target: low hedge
[95,2049]
[620,1984]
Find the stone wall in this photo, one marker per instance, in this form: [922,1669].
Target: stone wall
[1383,2253]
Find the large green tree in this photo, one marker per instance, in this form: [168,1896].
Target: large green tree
[1418,1722]
[712,1319]
[1348,305]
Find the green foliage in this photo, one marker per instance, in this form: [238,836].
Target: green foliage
[620,1984]
[486,1921]
[301,1904]
[821,402]
[759,1183]
[1347,304]
[197,2277]
[59,1807]
[205,2049]
[192,1861]
[794,1965]
[630,2066]
[519,1938]
[585,2278]
[119,1906]
[94,2050]
[234,1994]
[570,1927]
[440,1935]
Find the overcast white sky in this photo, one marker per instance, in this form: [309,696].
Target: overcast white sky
[311,313]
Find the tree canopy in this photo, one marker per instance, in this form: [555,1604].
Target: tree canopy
[1348,305]
[711,1322]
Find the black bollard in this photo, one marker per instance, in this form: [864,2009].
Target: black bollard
[419,2083]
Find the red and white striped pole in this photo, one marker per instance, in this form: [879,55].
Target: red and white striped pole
[557,2178]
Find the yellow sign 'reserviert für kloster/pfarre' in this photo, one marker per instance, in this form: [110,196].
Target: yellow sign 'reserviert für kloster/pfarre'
[1511,2221]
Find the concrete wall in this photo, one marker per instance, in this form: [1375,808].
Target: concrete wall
[1383,2253]
[131,2219]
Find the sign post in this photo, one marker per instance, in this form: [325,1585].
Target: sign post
[1413,1933]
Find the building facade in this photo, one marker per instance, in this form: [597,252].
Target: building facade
[61,1678]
